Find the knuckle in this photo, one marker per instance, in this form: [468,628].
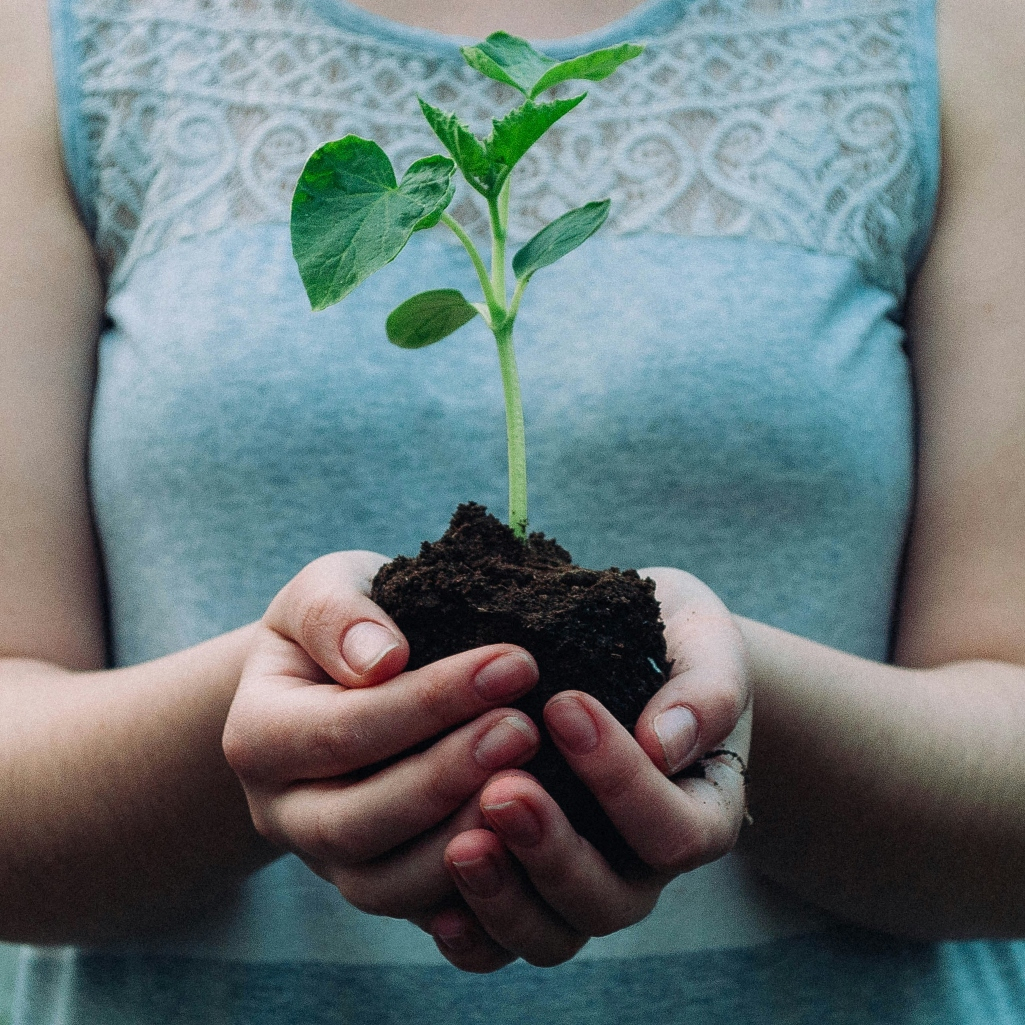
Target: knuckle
[618,784]
[560,872]
[250,751]
[336,744]
[444,788]
[238,750]
[318,613]
[434,701]
[554,875]
[332,836]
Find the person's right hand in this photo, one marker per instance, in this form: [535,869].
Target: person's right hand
[323,702]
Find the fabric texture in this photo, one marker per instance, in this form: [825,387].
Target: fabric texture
[716,381]
[779,121]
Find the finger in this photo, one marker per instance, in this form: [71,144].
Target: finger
[326,610]
[505,904]
[280,730]
[354,822]
[411,882]
[673,825]
[461,939]
[708,689]
[568,874]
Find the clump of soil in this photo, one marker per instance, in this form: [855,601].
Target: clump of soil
[589,630]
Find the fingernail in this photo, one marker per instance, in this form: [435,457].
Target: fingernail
[677,732]
[480,876]
[506,677]
[515,822]
[572,725]
[365,644]
[448,928]
[507,741]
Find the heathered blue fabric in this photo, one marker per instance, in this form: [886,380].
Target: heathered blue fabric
[740,407]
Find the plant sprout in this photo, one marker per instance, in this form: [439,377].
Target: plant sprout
[351,217]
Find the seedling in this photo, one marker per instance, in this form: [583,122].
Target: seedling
[351,216]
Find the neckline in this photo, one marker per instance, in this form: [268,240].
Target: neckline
[646,19]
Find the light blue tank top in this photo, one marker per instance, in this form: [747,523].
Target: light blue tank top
[717,381]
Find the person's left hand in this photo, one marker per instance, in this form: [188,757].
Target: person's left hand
[536,889]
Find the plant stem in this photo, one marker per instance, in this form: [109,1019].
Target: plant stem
[502,320]
[499,210]
[478,263]
[514,306]
[515,434]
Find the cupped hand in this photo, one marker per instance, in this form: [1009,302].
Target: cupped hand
[533,887]
[331,740]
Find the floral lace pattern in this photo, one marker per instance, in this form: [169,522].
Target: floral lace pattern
[784,120]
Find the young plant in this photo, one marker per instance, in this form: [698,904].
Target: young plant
[351,217]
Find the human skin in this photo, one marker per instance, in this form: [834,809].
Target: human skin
[303,727]
[118,804]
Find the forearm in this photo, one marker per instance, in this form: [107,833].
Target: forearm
[120,813]
[891,796]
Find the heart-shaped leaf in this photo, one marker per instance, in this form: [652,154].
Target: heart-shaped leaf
[350,218]
[560,237]
[515,133]
[466,149]
[515,62]
[428,317]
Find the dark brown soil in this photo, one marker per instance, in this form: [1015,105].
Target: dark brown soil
[589,630]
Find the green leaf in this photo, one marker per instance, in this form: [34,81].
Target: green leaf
[466,149]
[560,237]
[508,59]
[433,218]
[521,128]
[591,67]
[486,165]
[515,62]
[428,317]
[350,218]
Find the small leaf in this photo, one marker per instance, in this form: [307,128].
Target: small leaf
[508,59]
[515,62]
[428,317]
[433,218]
[350,218]
[560,237]
[466,149]
[521,128]
[591,67]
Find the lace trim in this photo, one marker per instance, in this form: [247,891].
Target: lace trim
[783,120]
